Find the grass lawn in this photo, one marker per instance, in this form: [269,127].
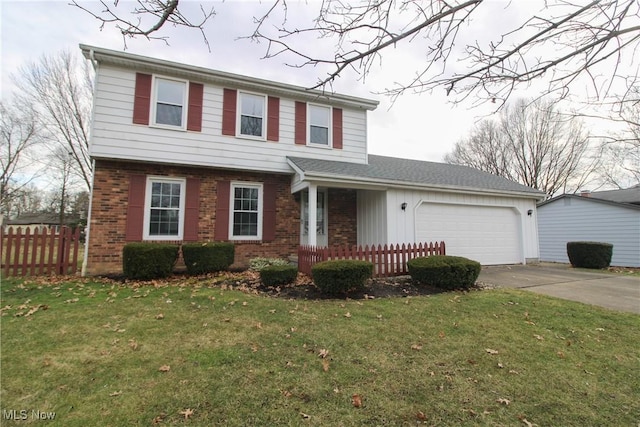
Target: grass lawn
[203,354]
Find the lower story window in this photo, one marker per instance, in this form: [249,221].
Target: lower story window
[164,209]
[246,204]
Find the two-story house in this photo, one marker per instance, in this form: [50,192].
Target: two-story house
[184,153]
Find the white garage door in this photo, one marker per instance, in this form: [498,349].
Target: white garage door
[487,234]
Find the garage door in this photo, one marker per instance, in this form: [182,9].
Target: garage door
[488,234]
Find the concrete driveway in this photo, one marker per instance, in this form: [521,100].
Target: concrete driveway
[614,291]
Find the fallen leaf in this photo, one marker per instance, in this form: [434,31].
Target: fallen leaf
[160,316]
[491,351]
[421,416]
[560,354]
[164,368]
[325,365]
[526,422]
[600,329]
[356,400]
[259,325]
[500,365]
[133,344]
[187,413]
[115,393]
[323,353]
[305,416]
[539,337]
[503,401]
[416,347]
[441,334]
[347,315]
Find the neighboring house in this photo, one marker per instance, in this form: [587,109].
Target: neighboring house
[34,221]
[184,153]
[627,195]
[570,218]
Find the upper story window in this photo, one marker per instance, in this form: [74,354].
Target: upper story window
[246,211]
[252,115]
[164,209]
[170,102]
[319,124]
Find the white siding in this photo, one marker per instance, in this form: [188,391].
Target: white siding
[401,225]
[372,218]
[571,219]
[115,136]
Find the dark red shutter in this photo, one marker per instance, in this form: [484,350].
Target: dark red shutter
[337,128]
[194,114]
[142,99]
[221,230]
[192,210]
[229,102]
[269,212]
[273,120]
[301,123]
[135,208]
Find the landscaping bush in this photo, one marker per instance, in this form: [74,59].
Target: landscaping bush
[341,276]
[274,275]
[257,264]
[208,257]
[442,271]
[145,261]
[589,254]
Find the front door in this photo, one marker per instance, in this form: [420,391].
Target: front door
[321,224]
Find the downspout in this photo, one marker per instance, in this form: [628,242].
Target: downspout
[88,228]
[95,64]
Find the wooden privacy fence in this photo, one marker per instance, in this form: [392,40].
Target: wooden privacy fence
[388,260]
[41,252]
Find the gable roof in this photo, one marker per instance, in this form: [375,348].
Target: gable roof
[392,171]
[590,200]
[627,195]
[191,72]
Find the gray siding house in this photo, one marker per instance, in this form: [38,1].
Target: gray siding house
[570,218]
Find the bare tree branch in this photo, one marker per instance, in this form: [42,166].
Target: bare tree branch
[159,12]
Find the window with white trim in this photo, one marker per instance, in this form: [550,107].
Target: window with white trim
[170,100]
[252,116]
[164,208]
[319,125]
[246,211]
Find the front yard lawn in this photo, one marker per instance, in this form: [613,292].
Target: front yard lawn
[196,353]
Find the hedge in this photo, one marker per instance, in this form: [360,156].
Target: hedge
[590,254]
[146,261]
[443,271]
[208,257]
[341,276]
[274,275]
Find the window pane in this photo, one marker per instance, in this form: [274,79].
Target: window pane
[251,105]
[319,135]
[251,126]
[319,116]
[164,216]
[170,92]
[169,114]
[245,215]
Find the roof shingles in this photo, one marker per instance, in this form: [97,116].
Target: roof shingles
[416,172]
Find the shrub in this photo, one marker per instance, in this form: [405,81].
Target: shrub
[341,276]
[257,264]
[145,261]
[590,254]
[274,275]
[447,272]
[208,257]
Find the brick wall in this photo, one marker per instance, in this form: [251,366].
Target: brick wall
[342,212]
[110,200]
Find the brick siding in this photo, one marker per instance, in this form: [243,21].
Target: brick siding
[109,212]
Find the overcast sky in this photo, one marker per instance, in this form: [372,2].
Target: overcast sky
[421,126]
